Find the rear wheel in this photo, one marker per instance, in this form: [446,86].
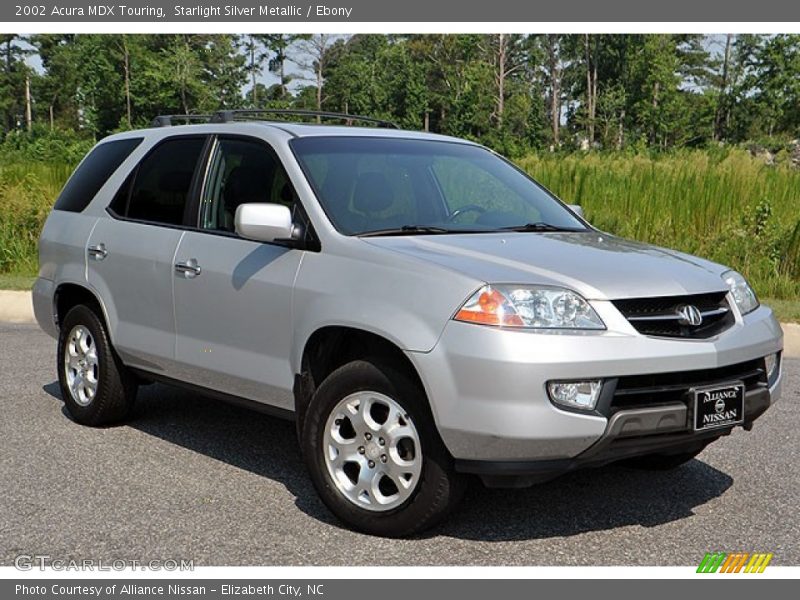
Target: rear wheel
[661,462]
[96,387]
[374,454]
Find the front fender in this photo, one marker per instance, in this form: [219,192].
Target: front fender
[408,304]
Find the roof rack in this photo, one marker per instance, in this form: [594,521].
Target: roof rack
[166,120]
[228,116]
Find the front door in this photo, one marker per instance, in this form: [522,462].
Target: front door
[233,296]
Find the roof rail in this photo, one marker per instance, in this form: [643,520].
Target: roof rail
[166,120]
[228,116]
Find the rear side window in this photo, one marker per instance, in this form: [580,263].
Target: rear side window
[158,189]
[93,172]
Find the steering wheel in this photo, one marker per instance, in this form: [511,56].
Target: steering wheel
[465,209]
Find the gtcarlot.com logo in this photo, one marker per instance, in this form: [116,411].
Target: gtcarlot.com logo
[736,562]
[42,562]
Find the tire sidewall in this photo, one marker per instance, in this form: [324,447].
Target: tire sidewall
[112,399]
[434,487]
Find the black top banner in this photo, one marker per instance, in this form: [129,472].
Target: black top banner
[444,11]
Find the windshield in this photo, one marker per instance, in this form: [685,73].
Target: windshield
[386,186]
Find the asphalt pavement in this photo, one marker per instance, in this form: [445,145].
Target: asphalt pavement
[196,479]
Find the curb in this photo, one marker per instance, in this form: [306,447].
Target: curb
[16,307]
[791,340]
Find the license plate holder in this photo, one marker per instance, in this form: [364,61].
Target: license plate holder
[717,406]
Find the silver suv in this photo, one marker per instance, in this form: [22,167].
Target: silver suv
[420,307]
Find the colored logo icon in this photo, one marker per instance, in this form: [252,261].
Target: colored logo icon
[736,562]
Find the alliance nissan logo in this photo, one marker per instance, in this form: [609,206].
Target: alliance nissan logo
[689,315]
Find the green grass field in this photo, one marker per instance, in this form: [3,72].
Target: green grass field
[721,204]
[10,281]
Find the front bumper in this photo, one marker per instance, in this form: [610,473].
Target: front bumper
[487,389]
[629,433]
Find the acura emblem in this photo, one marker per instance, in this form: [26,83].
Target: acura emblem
[689,315]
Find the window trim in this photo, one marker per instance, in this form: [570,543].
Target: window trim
[134,172]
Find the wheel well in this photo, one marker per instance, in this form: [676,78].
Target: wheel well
[69,295]
[331,347]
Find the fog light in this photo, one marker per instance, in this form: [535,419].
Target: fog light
[771,361]
[582,395]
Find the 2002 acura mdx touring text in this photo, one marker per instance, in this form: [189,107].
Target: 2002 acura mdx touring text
[419,306]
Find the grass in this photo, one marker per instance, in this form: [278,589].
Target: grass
[11,281]
[27,193]
[722,205]
[787,311]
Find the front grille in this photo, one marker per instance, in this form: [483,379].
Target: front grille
[638,391]
[659,316]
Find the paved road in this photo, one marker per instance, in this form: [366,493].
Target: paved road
[196,479]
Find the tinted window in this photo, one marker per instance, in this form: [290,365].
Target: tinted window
[93,172]
[371,184]
[241,171]
[158,189]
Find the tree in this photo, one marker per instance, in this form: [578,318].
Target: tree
[224,72]
[14,74]
[512,92]
[313,58]
[279,44]
[590,52]
[185,68]
[776,63]
[555,70]
[508,56]
[256,55]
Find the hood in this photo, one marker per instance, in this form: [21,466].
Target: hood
[597,265]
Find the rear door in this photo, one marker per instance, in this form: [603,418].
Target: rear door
[233,296]
[130,253]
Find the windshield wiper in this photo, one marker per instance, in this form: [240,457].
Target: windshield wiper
[408,230]
[538,226]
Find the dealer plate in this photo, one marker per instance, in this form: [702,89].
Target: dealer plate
[718,406]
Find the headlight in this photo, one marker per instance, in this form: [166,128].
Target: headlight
[529,306]
[742,293]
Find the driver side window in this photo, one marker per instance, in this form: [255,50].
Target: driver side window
[241,172]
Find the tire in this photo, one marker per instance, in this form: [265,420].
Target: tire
[661,462]
[423,488]
[99,390]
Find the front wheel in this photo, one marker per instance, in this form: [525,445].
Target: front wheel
[374,454]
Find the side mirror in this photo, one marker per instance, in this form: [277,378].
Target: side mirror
[264,222]
[576,208]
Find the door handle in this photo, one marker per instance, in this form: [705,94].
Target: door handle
[98,251]
[190,269]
